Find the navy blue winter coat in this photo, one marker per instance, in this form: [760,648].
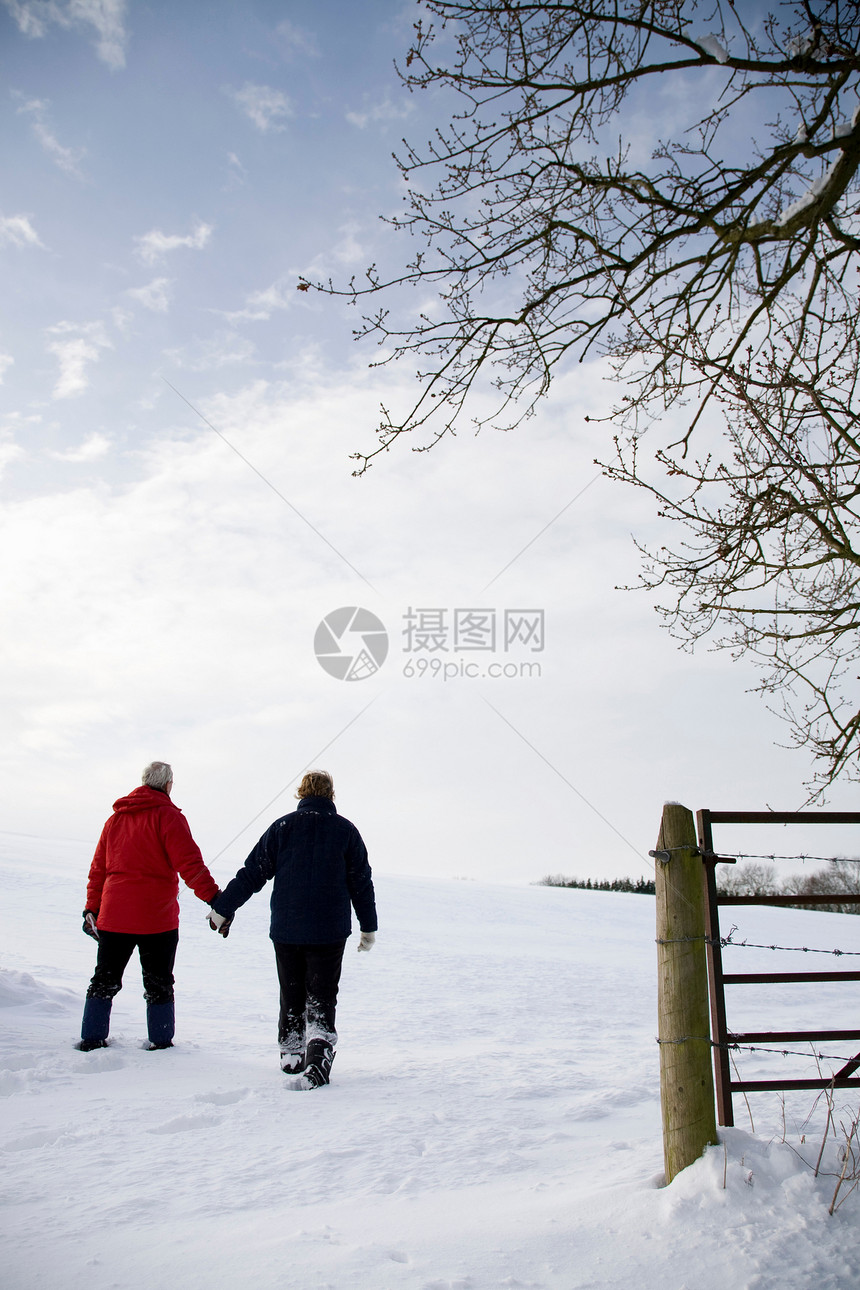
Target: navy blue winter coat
[319,864]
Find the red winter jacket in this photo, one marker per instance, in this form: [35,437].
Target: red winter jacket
[133,884]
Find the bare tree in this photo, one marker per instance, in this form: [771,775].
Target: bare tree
[635,253]
[766,554]
[750,879]
[716,267]
[838,878]
[754,878]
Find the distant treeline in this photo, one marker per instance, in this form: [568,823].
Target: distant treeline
[643,886]
[838,878]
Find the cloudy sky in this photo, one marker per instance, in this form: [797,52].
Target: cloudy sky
[179,513]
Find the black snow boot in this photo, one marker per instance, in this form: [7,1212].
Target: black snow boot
[320,1056]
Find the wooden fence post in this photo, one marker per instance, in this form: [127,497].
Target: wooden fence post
[686,1073]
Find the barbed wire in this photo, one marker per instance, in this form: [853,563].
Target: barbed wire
[723,941]
[758,1048]
[792,949]
[749,855]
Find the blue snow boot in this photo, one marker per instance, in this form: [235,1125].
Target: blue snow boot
[160,1024]
[95,1025]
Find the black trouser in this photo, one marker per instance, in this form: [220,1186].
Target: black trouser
[157,954]
[309,976]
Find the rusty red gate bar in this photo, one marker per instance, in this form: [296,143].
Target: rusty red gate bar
[721,1036]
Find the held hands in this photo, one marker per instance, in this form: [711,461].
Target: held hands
[90,924]
[366,941]
[219,923]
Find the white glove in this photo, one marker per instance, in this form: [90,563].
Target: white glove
[218,922]
[366,940]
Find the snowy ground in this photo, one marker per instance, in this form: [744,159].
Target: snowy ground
[493,1119]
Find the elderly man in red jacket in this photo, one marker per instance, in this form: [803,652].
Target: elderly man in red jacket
[133,901]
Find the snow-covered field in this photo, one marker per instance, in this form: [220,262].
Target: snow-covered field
[493,1119]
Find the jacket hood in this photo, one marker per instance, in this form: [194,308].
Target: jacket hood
[317,804]
[141,799]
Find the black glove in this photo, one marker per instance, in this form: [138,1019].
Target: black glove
[90,928]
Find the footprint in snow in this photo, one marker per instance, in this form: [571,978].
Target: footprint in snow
[100,1059]
[31,1141]
[185,1123]
[222,1099]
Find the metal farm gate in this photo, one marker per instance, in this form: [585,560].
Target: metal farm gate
[725,1039]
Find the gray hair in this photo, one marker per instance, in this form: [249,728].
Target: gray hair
[158,774]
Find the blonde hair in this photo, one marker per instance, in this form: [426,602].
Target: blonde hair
[316,783]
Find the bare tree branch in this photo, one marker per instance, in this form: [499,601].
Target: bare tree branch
[716,268]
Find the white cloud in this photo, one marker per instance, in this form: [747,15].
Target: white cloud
[78,345]
[297,39]
[73,356]
[6,360]
[9,452]
[216,351]
[67,159]
[265,107]
[34,17]
[348,249]
[121,318]
[236,176]
[16,230]
[384,111]
[155,295]
[345,252]
[152,246]
[27,15]
[278,296]
[260,305]
[93,448]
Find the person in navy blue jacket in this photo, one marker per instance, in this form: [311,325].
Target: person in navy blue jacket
[320,870]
